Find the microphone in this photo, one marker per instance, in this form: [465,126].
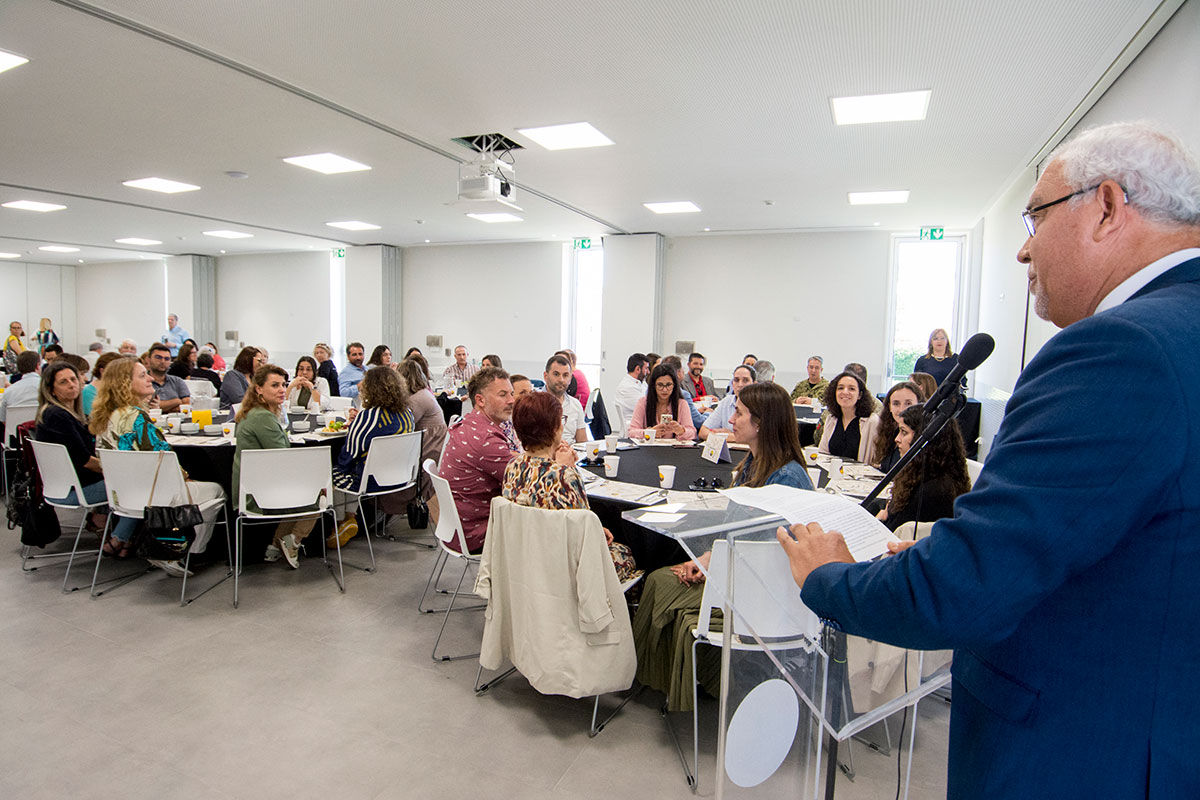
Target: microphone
[974,352]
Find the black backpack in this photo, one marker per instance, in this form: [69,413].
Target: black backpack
[26,506]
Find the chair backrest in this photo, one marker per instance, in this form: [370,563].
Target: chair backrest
[17,415]
[449,526]
[235,408]
[973,470]
[57,471]
[286,478]
[202,403]
[587,412]
[201,389]
[129,475]
[453,419]
[765,597]
[392,461]
[340,403]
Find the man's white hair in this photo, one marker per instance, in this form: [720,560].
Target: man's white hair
[1159,175]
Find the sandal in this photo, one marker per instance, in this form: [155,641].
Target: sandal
[115,548]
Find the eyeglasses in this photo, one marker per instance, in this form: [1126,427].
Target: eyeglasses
[1031,223]
[662,385]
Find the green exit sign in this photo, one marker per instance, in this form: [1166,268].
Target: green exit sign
[932,234]
[339,252]
[583,244]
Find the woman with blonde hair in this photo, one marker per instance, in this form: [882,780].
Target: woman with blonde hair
[45,336]
[940,358]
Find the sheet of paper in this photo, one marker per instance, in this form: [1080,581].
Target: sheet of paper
[866,537]
[667,508]
[629,492]
[660,519]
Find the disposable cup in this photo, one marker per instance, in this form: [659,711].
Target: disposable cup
[649,434]
[610,466]
[666,475]
[610,443]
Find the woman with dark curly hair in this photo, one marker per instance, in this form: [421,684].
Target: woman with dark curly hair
[926,488]
[850,428]
[884,453]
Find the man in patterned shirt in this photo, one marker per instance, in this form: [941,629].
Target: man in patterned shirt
[477,453]
[459,372]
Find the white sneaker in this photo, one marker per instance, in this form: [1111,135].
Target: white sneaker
[273,553]
[291,550]
[172,568]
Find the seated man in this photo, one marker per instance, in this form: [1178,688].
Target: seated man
[477,453]
[51,352]
[558,377]
[24,388]
[813,389]
[684,387]
[631,388]
[93,352]
[169,390]
[458,373]
[765,371]
[204,371]
[749,359]
[578,387]
[352,373]
[697,384]
[128,348]
[719,420]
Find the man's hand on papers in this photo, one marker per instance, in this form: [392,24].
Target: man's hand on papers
[809,546]
[896,547]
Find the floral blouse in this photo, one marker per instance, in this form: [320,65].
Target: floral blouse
[542,483]
[130,428]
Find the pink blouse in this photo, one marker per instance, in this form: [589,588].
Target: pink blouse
[682,416]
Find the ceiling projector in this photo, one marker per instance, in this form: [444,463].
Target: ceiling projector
[486,180]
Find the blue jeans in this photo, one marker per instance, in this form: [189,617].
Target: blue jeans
[96,493]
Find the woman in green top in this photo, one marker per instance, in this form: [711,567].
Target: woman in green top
[258,428]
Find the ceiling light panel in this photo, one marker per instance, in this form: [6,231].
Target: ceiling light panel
[161,185]
[10,60]
[33,205]
[675,207]
[327,163]
[10,255]
[229,234]
[895,107]
[353,225]
[58,248]
[496,217]
[877,198]
[136,240]
[566,137]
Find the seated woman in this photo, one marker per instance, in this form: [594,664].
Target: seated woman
[543,475]
[926,382]
[663,409]
[307,387]
[491,360]
[204,371]
[849,431]
[258,428]
[61,420]
[926,488]
[427,418]
[184,362]
[412,350]
[381,356]
[384,399]
[120,422]
[764,420]
[884,453]
[326,369]
[237,380]
[211,348]
[88,395]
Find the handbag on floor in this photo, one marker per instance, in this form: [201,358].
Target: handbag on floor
[167,532]
[418,510]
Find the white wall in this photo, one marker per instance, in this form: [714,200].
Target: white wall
[782,297]
[631,309]
[504,299]
[279,301]
[29,292]
[364,309]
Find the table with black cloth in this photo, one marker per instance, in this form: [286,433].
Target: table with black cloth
[807,418]
[450,405]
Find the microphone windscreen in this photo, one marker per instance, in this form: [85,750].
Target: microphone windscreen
[976,350]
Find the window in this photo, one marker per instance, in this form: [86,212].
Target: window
[926,278]
[582,293]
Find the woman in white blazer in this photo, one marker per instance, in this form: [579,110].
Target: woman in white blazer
[850,430]
[306,388]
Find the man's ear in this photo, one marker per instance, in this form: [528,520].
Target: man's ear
[1114,210]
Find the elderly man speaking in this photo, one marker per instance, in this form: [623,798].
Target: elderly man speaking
[1066,581]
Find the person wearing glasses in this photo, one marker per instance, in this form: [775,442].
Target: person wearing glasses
[663,409]
[1065,582]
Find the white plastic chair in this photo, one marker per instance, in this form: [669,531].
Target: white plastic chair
[59,479]
[973,470]
[449,528]
[340,404]
[128,480]
[591,401]
[767,603]
[393,462]
[235,408]
[201,389]
[296,482]
[14,416]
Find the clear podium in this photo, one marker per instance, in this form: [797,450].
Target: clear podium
[791,688]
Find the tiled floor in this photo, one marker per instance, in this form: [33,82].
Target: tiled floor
[306,692]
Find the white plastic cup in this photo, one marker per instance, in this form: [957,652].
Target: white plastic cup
[666,475]
[610,466]
[593,450]
[185,408]
[649,434]
[229,428]
[610,443]
[155,413]
[835,467]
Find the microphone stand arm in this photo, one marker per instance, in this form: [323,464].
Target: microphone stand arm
[950,408]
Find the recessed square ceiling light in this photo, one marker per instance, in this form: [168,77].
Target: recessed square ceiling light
[160,185]
[33,205]
[677,207]
[877,198]
[10,255]
[229,234]
[328,163]
[10,60]
[498,217]
[136,240]
[895,107]
[58,248]
[566,137]
[353,225]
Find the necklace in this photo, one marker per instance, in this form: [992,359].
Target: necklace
[943,358]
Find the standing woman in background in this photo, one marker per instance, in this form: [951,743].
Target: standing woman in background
[940,358]
[45,336]
[13,347]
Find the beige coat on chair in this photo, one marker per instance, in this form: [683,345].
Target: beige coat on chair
[555,607]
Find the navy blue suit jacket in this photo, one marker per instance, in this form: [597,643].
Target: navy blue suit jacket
[1066,583]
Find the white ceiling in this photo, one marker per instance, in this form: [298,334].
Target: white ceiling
[725,104]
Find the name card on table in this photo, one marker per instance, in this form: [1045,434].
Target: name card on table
[715,448]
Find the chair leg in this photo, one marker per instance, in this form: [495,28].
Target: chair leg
[437,563]
[339,577]
[75,550]
[370,547]
[595,729]
[691,779]
[695,777]
[446,619]
[184,600]
[237,557]
[481,688]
